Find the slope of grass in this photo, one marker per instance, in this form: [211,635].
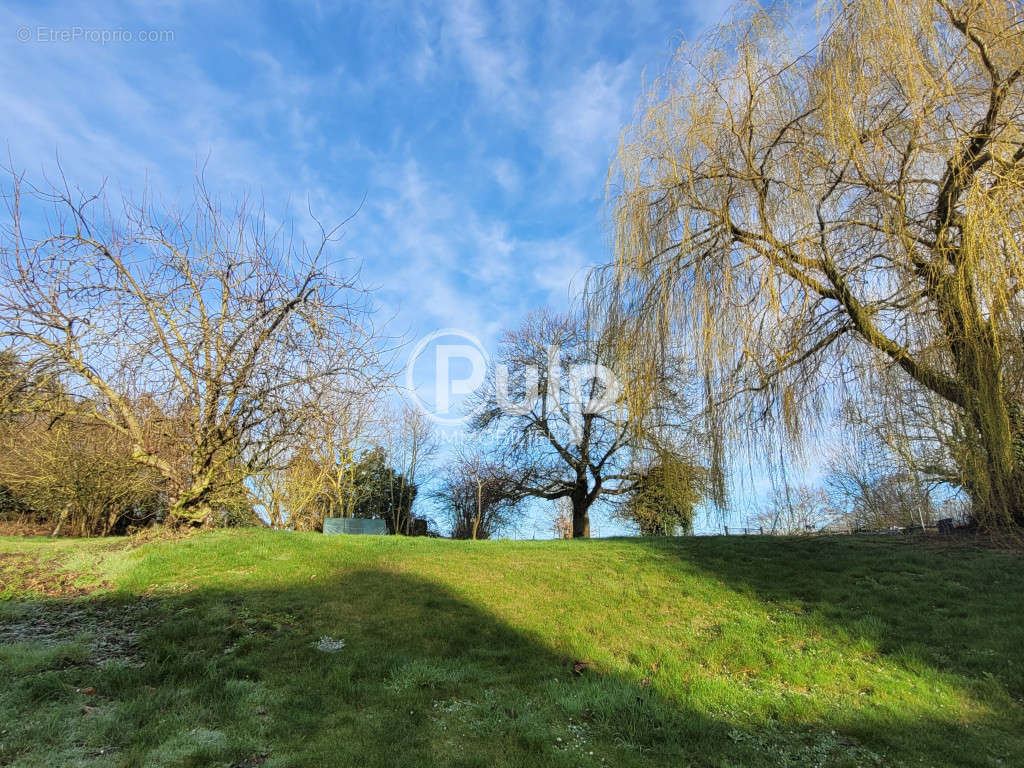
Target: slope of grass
[702,652]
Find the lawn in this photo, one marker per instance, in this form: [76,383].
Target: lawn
[686,652]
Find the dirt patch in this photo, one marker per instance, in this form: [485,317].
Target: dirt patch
[111,630]
[21,573]
[253,762]
[24,528]
[46,607]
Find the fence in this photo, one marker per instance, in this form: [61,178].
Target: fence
[944,526]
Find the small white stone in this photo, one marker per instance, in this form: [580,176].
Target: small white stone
[328,645]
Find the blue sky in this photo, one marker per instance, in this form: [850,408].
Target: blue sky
[479,134]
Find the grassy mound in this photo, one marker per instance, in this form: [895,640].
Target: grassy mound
[277,649]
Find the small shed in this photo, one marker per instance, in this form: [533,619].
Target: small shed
[355,525]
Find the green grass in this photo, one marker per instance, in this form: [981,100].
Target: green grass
[703,652]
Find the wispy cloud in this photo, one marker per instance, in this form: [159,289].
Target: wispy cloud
[584,120]
[479,133]
[494,61]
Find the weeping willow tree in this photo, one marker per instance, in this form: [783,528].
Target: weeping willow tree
[799,218]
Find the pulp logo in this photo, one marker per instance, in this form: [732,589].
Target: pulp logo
[459,365]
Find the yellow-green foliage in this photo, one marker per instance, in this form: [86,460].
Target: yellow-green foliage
[665,498]
[797,216]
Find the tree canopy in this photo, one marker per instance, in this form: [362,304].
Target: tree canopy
[204,337]
[799,220]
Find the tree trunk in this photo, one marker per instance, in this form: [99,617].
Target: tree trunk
[580,518]
[993,472]
[189,510]
[997,490]
[65,511]
[191,507]
[479,508]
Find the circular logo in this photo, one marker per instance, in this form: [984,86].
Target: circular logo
[445,368]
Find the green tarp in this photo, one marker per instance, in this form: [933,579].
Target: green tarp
[355,525]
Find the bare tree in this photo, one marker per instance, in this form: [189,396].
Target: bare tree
[796,511]
[64,468]
[78,475]
[875,495]
[479,495]
[909,431]
[561,520]
[315,476]
[801,219]
[560,436]
[410,441]
[223,326]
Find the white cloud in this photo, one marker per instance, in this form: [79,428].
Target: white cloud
[507,175]
[560,268]
[495,63]
[453,267]
[443,253]
[584,119]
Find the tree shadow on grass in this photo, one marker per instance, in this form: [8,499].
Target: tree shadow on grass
[233,677]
